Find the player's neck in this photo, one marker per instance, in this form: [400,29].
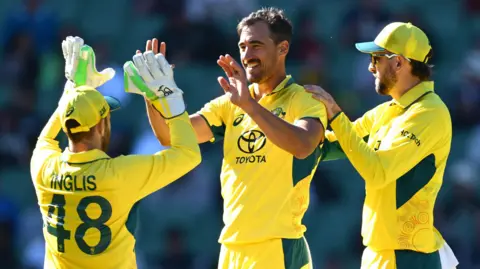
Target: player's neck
[81,147]
[270,84]
[403,86]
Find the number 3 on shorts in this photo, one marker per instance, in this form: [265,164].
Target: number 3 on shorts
[58,202]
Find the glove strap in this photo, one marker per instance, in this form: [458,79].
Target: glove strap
[170,107]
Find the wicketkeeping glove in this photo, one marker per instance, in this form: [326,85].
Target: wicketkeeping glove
[80,66]
[151,75]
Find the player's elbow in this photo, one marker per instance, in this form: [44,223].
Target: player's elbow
[194,156]
[164,141]
[301,155]
[378,181]
[197,155]
[303,151]
[306,144]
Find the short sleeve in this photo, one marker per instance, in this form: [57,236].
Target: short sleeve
[215,114]
[304,106]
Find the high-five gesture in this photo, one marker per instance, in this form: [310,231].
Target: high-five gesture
[151,75]
[236,88]
[156,46]
[80,64]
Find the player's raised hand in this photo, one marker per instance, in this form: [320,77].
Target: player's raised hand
[80,64]
[156,46]
[151,76]
[236,86]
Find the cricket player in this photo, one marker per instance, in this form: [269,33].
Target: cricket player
[271,132]
[88,199]
[400,148]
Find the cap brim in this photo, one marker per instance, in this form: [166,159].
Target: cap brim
[368,47]
[113,103]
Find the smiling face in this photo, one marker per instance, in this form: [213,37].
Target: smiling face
[258,52]
[265,36]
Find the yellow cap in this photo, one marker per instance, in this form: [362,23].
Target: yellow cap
[400,38]
[87,106]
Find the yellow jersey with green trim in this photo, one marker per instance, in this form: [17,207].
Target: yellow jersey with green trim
[265,188]
[88,200]
[402,163]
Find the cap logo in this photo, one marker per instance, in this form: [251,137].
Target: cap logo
[69,111]
[102,111]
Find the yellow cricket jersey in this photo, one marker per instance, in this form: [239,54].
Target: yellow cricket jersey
[265,188]
[88,200]
[402,164]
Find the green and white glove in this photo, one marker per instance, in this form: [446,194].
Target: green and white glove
[151,75]
[80,66]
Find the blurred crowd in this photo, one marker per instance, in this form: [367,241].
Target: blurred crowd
[197,32]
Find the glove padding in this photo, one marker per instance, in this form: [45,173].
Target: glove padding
[151,76]
[80,66]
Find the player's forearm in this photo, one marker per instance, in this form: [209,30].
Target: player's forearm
[290,138]
[331,149]
[52,128]
[159,126]
[164,167]
[46,144]
[184,143]
[361,156]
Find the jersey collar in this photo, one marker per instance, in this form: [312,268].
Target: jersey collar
[283,85]
[414,94]
[83,157]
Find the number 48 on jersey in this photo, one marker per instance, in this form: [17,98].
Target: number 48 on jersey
[59,231]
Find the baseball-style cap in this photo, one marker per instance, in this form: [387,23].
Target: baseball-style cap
[400,38]
[87,106]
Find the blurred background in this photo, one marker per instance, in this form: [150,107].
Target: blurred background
[180,224]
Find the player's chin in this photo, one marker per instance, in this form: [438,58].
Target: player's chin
[254,78]
[381,89]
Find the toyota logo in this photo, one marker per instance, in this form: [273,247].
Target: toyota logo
[251,141]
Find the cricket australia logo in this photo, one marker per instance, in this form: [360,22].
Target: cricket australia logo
[166,91]
[69,111]
[103,111]
[251,142]
[279,112]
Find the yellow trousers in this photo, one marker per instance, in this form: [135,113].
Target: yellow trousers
[271,254]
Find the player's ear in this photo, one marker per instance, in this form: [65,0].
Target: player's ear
[100,127]
[283,47]
[399,62]
[108,122]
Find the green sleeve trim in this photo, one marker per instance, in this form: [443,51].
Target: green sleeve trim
[332,151]
[217,131]
[334,117]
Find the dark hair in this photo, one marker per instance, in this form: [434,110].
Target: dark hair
[422,70]
[76,137]
[280,27]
